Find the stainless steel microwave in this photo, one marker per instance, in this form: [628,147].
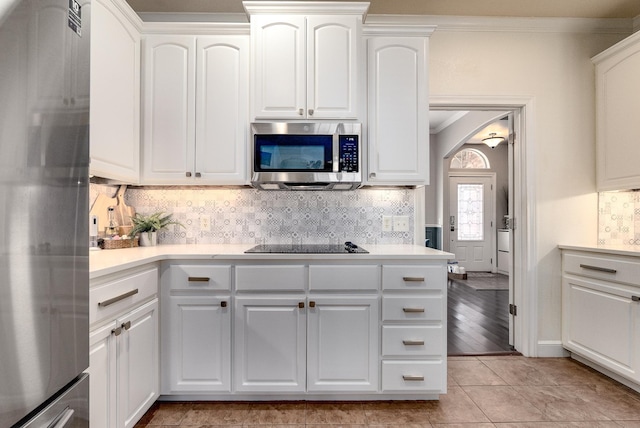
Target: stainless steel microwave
[306,155]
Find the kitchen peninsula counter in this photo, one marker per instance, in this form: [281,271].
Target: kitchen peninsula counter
[106,262]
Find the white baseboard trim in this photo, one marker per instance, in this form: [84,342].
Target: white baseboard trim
[551,349]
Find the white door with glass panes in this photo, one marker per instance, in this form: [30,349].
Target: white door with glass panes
[472,220]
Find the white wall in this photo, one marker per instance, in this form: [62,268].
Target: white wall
[553,69]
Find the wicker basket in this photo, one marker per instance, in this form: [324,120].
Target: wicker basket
[115,244]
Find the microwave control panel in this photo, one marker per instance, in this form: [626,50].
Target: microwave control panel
[348,155]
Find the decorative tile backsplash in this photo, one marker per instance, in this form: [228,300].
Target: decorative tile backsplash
[249,216]
[619,218]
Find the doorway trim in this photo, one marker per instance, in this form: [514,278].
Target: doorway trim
[524,263]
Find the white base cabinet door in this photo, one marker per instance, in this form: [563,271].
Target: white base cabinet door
[602,323]
[103,377]
[138,364]
[198,344]
[342,343]
[270,344]
[123,368]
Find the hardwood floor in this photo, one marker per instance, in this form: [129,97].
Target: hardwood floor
[478,319]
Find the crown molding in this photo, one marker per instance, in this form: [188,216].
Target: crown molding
[510,24]
[306,8]
[385,23]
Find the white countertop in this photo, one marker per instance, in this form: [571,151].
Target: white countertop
[105,262]
[620,250]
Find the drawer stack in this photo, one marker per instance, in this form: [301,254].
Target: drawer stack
[414,332]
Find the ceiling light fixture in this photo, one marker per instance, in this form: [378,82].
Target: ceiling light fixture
[492,141]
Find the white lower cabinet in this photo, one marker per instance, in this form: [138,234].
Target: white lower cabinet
[289,344]
[342,343]
[294,330]
[123,368]
[601,310]
[123,347]
[198,344]
[196,328]
[270,344]
[414,329]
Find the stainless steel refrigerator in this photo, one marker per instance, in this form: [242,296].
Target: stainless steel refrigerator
[44,157]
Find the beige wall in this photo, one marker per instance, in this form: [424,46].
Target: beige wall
[555,71]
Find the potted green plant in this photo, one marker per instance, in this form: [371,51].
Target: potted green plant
[148,225]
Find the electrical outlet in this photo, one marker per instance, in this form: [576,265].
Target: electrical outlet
[387,223]
[401,223]
[205,224]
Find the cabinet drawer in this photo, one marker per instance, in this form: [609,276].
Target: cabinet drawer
[111,298]
[412,308]
[413,376]
[270,278]
[200,277]
[344,277]
[604,267]
[412,340]
[413,277]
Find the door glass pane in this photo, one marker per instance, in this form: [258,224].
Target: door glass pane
[470,212]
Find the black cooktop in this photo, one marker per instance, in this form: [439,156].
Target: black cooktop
[347,247]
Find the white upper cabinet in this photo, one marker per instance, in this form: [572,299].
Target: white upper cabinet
[195,114]
[305,59]
[169,107]
[617,106]
[398,102]
[115,92]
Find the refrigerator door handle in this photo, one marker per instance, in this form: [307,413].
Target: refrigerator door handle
[62,420]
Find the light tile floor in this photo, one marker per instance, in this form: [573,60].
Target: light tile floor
[483,392]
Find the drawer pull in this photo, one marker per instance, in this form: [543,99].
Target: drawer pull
[413,342]
[117,298]
[312,304]
[635,298]
[412,310]
[413,278]
[301,305]
[223,304]
[413,378]
[126,325]
[598,268]
[198,279]
[116,331]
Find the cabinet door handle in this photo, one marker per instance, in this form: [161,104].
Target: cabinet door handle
[223,304]
[126,325]
[198,279]
[598,268]
[301,111]
[413,342]
[198,175]
[635,298]
[310,112]
[412,310]
[312,304]
[188,173]
[413,278]
[117,298]
[116,331]
[413,378]
[301,305]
